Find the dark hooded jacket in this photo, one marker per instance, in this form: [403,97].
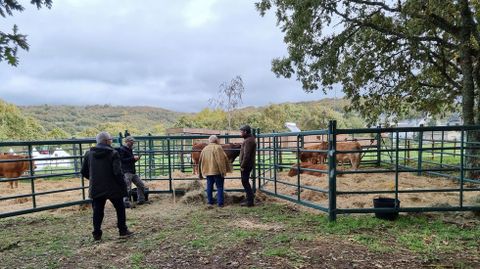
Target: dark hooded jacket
[101,165]
[127,158]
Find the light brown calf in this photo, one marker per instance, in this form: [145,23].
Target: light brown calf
[294,170]
[353,157]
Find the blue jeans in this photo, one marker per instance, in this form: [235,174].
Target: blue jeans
[218,180]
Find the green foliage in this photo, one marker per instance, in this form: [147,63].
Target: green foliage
[9,43]
[389,57]
[207,118]
[57,133]
[14,125]
[87,121]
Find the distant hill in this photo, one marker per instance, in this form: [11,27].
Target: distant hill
[63,121]
[76,119]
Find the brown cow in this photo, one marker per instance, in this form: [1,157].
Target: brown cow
[353,157]
[313,157]
[294,170]
[231,149]
[13,169]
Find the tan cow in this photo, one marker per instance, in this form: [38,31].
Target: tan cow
[13,169]
[353,157]
[294,170]
[313,157]
[231,149]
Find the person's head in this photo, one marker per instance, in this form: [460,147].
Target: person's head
[104,138]
[213,139]
[129,141]
[245,130]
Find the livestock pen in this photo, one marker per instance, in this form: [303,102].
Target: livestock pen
[425,168]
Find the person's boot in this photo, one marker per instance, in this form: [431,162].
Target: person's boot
[247,204]
[126,233]
[97,236]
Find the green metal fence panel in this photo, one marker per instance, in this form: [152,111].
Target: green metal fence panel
[428,154]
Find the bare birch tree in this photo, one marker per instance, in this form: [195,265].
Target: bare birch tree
[229,97]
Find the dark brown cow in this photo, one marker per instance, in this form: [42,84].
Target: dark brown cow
[294,170]
[231,149]
[13,169]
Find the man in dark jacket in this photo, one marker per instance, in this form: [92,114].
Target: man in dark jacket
[102,167]
[128,166]
[247,161]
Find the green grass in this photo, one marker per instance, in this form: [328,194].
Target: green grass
[272,231]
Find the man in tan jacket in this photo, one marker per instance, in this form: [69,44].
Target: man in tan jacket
[214,164]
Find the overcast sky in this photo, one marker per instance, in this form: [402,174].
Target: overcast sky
[169,54]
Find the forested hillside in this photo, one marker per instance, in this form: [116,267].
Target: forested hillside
[14,125]
[307,115]
[55,122]
[86,121]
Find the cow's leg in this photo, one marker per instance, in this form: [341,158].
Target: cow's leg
[355,161]
[195,168]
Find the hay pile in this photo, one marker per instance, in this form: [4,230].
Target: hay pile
[376,182]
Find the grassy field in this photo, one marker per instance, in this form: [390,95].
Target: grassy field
[270,235]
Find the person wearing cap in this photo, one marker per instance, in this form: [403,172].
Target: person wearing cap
[214,164]
[247,161]
[102,167]
[128,166]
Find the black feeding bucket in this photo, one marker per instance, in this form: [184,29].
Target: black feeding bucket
[133,194]
[383,202]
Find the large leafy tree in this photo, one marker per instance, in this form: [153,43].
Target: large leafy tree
[388,56]
[10,42]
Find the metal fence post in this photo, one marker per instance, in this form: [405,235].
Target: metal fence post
[332,180]
[379,145]
[420,151]
[169,166]
[275,162]
[151,156]
[32,180]
[256,167]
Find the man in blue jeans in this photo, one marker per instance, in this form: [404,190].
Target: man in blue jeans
[214,164]
[102,167]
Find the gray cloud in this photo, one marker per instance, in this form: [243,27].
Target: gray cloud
[170,54]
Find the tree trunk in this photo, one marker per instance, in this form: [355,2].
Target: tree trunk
[468,92]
